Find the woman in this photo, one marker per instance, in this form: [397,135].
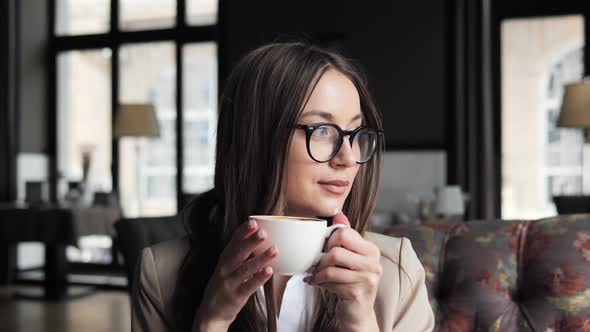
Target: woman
[298,134]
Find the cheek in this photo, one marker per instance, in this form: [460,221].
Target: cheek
[300,167]
[300,170]
[297,150]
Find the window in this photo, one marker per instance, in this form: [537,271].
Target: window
[200,115]
[539,56]
[146,14]
[75,17]
[563,167]
[201,12]
[84,117]
[148,75]
[143,52]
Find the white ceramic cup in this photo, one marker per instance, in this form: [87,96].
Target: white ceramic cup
[300,241]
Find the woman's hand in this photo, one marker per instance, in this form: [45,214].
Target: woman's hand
[237,276]
[351,269]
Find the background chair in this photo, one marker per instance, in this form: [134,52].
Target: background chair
[135,234]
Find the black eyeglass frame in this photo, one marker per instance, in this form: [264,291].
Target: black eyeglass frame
[309,129]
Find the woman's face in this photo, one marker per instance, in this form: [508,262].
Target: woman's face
[320,189]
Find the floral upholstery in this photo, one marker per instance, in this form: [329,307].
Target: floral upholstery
[506,275]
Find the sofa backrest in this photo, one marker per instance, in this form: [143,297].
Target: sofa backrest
[506,275]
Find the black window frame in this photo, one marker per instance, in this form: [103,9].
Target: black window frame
[180,34]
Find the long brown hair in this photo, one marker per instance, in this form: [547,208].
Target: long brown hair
[261,102]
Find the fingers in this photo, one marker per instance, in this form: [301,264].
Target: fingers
[346,291]
[245,239]
[342,280]
[350,239]
[244,230]
[341,257]
[238,273]
[333,275]
[340,218]
[254,264]
[251,285]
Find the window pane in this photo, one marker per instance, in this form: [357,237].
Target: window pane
[84,117]
[148,165]
[201,12]
[76,17]
[200,115]
[539,56]
[146,14]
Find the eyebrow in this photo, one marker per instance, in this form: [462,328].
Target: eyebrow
[328,116]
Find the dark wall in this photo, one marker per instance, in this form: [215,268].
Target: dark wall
[403,51]
[525,8]
[401,47]
[8,142]
[31,101]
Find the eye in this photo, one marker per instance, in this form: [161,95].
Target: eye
[323,131]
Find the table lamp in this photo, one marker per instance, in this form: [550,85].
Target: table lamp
[449,201]
[136,120]
[575,109]
[575,112]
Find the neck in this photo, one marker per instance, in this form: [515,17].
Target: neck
[300,213]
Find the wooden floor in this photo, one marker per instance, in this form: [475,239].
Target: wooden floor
[106,311]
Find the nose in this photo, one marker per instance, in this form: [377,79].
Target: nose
[345,156]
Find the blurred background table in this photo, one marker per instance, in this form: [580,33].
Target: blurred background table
[56,227]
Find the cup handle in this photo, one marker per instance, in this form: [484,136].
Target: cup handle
[333,228]
[329,232]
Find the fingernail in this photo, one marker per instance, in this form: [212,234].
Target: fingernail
[268,270]
[261,234]
[336,210]
[272,251]
[252,224]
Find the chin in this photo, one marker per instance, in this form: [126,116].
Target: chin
[326,208]
[316,205]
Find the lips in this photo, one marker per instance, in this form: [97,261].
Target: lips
[337,183]
[335,186]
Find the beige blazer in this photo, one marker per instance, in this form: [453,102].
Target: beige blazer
[401,303]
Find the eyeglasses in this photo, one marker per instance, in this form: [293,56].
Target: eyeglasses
[324,140]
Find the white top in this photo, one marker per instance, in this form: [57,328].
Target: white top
[296,306]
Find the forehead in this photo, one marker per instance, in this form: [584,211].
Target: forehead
[334,93]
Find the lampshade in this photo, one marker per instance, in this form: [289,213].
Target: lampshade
[575,110]
[138,120]
[449,201]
